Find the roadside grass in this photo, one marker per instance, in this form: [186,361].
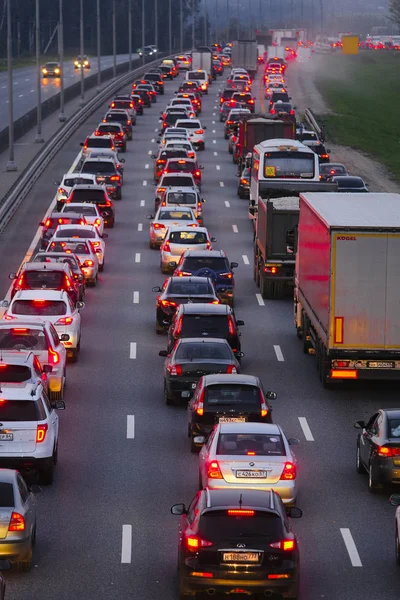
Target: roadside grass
[363,92]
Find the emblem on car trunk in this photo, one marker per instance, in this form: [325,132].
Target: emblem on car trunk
[240,545]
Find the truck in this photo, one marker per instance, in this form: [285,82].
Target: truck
[203,61]
[347,285]
[244,56]
[257,128]
[281,36]
[275,52]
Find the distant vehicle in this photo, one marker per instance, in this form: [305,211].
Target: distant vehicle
[148,51]
[80,62]
[51,69]
[348,183]
[332,169]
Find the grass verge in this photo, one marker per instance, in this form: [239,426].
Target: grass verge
[362,91]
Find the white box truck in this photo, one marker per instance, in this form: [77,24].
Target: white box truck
[202,61]
[245,55]
[347,285]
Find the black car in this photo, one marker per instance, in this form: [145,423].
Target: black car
[243,190]
[181,290]
[145,96]
[106,173]
[156,80]
[72,260]
[237,541]
[213,264]
[329,169]
[95,194]
[226,95]
[51,223]
[226,398]
[166,72]
[171,118]
[148,87]
[378,448]
[137,103]
[320,149]
[190,359]
[121,117]
[348,183]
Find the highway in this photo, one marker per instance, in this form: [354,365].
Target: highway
[104,527]
[24,84]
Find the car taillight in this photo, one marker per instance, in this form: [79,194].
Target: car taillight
[166,247]
[191,154]
[264,407]
[88,263]
[17,522]
[199,131]
[64,321]
[115,178]
[54,357]
[226,275]
[231,370]
[7,317]
[178,327]
[41,433]
[244,182]
[194,542]
[129,122]
[292,113]
[97,222]
[286,545]
[208,246]
[184,274]
[386,451]
[59,191]
[272,111]
[161,190]
[95,244]
[322,155]
[231,325]
[197,174]
[240,512]
[213,470]
[159,226]
[289,472]
[250,101]
[175,370]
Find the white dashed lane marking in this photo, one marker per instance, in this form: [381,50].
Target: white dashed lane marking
[279,354]
[235,229]
[137,257]
[140,227]
[135,297]
[126,553]
[221,184]
[260,300]
[227,204]
[142,202]
[245,259]
[351,547]
[130,427]
[306,429]
[132,350]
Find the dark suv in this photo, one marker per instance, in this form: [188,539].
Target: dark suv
[206,320]
[106,173]
[95,194]
[156,80]
[213,264]
[120,116]
[231,542]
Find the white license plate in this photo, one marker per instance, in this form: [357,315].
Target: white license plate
[6,437]
[242,557]
[381,365]
[193,386]
[252,474]
[232,420]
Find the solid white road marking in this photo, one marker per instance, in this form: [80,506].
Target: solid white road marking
[132,350]
[137,257]
[306,429]
[140,227]
[126,554]
[135,297]
[279,354]
[235,229]
[227,204]
[351,547]
[260,300]
[146,166]
[218,167]
[144,182]
[221,184]
[245,259]
[130,427]
[142,202]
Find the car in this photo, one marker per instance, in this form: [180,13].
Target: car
[172,180]
[243,190]
[96,142]
[116,131]
[226,95]
[137,103]
[181,145]
[331,169]
[73,263]
[166,71]
[120,116]
[18,510]
[19,366]
[196,131]
[51,69]
[190,359]
[185,112]
[213,264]
[218,67]
[194,97]
[278,96]
[320,149]
[150,89]
[254,456]
[124,103]
[178,239]
[199,75]
[32,429]
[235,115]
[164,218]
[89,211]
[187,197]
[190,86]
[274,87]
[172,65]
[156,80]
[119,162]
[45,276]
[176,291]
[82,62]
[173,133]
[49,305]
[94,194]
[350,183]
[304,135]
[184,62]
[84,251]
[237,543]
[55,219]
[283,109]
[378,448]
[226,399]
[226,108]
[106,173]
[185,165]
[160,160]
[147,51]
[171,117]
[183,103]
[84,232]
[41,339]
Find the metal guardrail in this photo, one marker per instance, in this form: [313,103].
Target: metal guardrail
[312,122]
[10,203]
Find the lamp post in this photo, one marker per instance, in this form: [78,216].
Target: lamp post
[114,41]
[38,137]
[98,47]
[205,22]
[62,116]
[170,26]
[143,24]
[130,34]
[192,24]
[82,100]
[156,23]
[238,18]
[11,164]
[181,26]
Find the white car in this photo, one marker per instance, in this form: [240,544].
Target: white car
[171,133]
[85,253]
[49,305]
[166,217]
[196,131]
[181,145]
[179,239]
[184,62]
[238,71]
[30,428]
[68,181]
[173,180]
[85,232]
[201,76]
[185,102]
[184,197]
[90,212]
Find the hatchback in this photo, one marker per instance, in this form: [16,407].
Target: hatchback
[179,239]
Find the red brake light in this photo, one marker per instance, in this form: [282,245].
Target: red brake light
[286,545]
[178,327]
[289,472]
[199,131]
[159,226]
[168,303]
[197,174]
[231,370]
[193,543]
[175,370]
[115,178]
[240,512]
[166,247]
[41,433]
[112,105]
[272,111]
[48,222]
[64,321]
[97,222]
[226,275]
[54,357]
[214,471]
[88,263]
[231,325]
[17,522]
[386,451]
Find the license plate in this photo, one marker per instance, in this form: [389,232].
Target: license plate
[6,437]
[101,178]
[232,420]
[381,365]
[252,474]
[240,557]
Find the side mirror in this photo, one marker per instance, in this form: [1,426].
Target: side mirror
[203,200]
[122,160]
[47,368]
[199,439]
[12,276]
[213,239]
[153,156]
[64,337]
[359,425]
[172,264]
[59,405]
[4,304]
[158,141]
[294,512]
[395,499]
[271,395]
[240,354]
[163,353]
[233,265]
[293,441]
[156,289]
[57,183]
[178,509]
[290,97]
[41,224]
[204,127]
[80,305]
[81,144]
[294,107]
[80,278]
[240,323]
[201,167]
[104,236]
[252,202]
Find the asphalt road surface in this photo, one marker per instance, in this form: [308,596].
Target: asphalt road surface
[24,84]
[104,527]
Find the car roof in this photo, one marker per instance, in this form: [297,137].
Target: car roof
[89,186]
[188,228]
[348,179]
[16,357]
[8,475]
[239,379]
[198,340]
[21,391]
[36,294]
[205,253]
[391,413]
[93,136]
[191,279]
[40,266]
[37,324]
[239,498]
[265,428]
[205,309]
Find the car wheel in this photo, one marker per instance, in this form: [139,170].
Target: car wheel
[226,136]
[34,536]
[118,195]
[46,476]
[24,566]
[397,548]
[372,486]
[101,267]
[359,466]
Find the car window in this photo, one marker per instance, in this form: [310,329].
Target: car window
[176,181]
[10,373]
[23,489]
[189,288]
[39,308]
[70,182]
[99,142]
[180,216]
[191,124]
[109,129]
[199,325]
[207,351]
[193,509]
[394,428]
[219,394]
[22,410]
[187,237]
[7,495]
[289,164]
[98,167]
[15,338]
[46,402]
[88,196]
[219,525]
[244,444]
[44,279]
[194,263]
[70,233]
[181,198]
[76,248]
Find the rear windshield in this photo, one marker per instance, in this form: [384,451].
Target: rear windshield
[39,308]
[76,248]
[172,117]
[216,264]
[190,124]
[238,395]
[332,169]
[175,214]
[45,257]
[394,428]
[44,279]
[241,444]
[181,198]
[211,325]
[99,142]
[119,117]
[21,410]
[241,97]
[282,106]
[14,373]
[180,145]
[196,75]
[207,351]
[88,196]
[187,237]
[172,181]
[184,167]
[122,104]
[76,180]
[109,128]
[173,154]
[7,495]
[228,93]
[22,338]
[218,525]
[190,288]
[98,167]
[289,164]
[82,233]
[88,211]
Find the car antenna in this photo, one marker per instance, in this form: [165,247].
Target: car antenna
[240,500]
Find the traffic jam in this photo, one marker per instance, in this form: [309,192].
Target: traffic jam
[238,534]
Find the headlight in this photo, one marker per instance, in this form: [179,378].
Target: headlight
[56,70]
[44,71]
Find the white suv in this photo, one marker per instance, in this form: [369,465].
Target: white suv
[195,130]
[29,429]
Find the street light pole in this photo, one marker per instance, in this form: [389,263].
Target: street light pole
[11,164]
[216,22]
[82,100]
[39,137]
[227,21]
[143,24]
[130,34]
[62,116]
[98,47]
[238,19]
[170,26]
[156,23]
[181,26]
[192,24]
[205,22]
[114,41]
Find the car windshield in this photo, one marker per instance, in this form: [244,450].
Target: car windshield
[187,237]
[81,233]
[167,215]
[21,410]
[6,495]
[69,182]
[96,196]
[199,325]
[98,167]
[329,169]
[219,525]
[204,351]
[22,338]
[190,288]
[194,263]
[181,198]
[289,164]
[309,135]
[243,444]
[109,129]
[228,394]
[44,279]
[283,106]
[98,142]
[350,182]
[39,308]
